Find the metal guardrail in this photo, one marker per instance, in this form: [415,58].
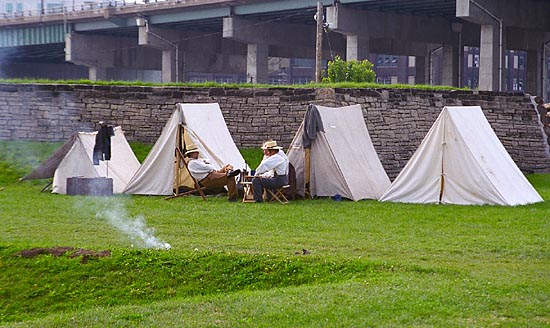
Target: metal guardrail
[82,8]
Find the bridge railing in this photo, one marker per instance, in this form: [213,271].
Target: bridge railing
[79,8]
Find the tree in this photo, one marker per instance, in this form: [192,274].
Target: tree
[339,70]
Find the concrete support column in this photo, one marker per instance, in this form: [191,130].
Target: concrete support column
[449,66]
[169,66]
[420,68]
[257,63]
[96,73]
[533,83]
[357,47]
[166,41]
[490,59]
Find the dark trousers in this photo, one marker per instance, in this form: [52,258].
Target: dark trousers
[258,185]
[217,180]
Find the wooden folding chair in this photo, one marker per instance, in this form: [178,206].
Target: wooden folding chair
[180,158]
[277,194]
[198,188]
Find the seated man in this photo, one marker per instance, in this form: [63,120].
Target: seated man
[272,172]
[208,176]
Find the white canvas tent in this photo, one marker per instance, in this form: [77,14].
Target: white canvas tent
[461,161]
[75,159]
[203,126]
[342,158]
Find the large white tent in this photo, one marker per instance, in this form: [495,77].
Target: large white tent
[202,125]
[75,159]
[342,158]
[461,161]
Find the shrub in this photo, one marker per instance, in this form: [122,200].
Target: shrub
[339,70]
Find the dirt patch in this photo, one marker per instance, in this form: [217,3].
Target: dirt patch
[87,254]
[62,250]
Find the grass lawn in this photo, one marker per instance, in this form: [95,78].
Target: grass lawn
[243,265]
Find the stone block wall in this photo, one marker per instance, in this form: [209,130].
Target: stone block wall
[397,119]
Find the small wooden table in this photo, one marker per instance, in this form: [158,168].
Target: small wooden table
[246,182]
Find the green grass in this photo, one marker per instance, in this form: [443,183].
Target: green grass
[242,265]
[141,150]
[212,84]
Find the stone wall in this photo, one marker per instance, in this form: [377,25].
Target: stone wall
[397,119]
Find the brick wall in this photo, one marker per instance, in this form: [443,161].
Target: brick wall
[397,119]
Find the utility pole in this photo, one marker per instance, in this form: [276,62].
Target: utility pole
[319,43]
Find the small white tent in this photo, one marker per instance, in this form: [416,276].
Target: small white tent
[75,159]
[461,161]
[342,158]
[204,126]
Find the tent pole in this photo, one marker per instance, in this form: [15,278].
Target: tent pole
[443,145]
[307,193]
[178,158]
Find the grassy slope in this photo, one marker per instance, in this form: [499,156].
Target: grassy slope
[210,84]
[371,263]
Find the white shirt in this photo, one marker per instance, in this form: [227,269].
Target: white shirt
[277,163]
[200,168]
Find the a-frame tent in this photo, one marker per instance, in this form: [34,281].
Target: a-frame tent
[75,159]
[200,124]
[332,153]
[461,161]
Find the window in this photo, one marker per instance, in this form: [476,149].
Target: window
[19,7]
[521,61]
[470,60]
[383,79]
[515,62]
[476,60]
[301,79]
[302,62]
[412,61]
[386,60]
[411,79]
[9,7]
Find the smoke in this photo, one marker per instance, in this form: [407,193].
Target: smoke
[135,228]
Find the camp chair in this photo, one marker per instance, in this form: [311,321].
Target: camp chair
[197,187]
[277,194]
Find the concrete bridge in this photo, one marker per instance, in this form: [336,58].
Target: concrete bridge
[182,36]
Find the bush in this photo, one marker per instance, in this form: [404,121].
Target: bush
[350,71]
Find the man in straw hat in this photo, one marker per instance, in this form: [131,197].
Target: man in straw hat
[273,170]
[208,176]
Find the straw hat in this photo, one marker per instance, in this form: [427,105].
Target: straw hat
[191,149]
[271,144]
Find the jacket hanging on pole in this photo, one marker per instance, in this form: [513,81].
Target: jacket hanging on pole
[102,148]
